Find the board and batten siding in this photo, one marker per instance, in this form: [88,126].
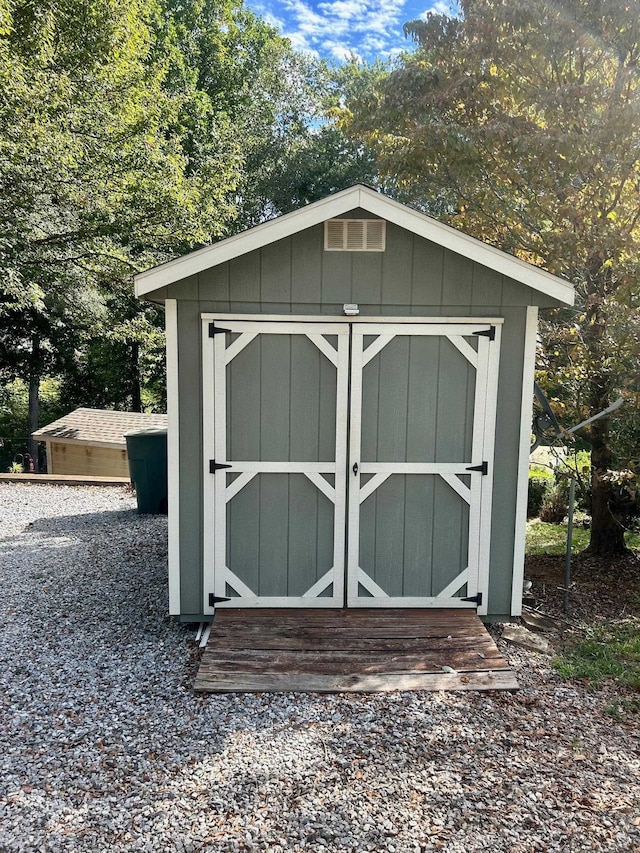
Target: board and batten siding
[294,276]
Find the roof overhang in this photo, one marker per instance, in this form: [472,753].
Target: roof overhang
[87,442]
[338,204]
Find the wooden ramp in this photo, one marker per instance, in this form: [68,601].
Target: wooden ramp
[362,651]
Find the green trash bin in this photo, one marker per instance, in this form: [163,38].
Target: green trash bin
[147,452]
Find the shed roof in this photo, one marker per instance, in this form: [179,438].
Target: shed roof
[100,427]
[363,197]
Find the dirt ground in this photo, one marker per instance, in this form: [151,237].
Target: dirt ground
[598,591]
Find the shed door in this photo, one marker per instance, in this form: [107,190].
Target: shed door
[422,423]
[275,423]
[277,419]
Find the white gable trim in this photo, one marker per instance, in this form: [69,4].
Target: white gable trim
[336,205]
[462,244]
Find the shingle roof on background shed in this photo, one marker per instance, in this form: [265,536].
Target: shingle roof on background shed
[102,427]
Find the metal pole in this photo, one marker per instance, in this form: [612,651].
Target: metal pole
[567,563]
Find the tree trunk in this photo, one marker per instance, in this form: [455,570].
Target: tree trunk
[607,533]
[34,399]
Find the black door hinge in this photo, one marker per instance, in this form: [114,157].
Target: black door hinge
[216,599]
[216,330]
[216,466]
[475,599]
[484,468]
[487,333]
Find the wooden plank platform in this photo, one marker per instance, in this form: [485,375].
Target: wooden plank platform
[335,651]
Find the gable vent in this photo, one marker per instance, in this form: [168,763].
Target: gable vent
[354,235]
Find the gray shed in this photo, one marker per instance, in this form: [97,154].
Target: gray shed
[349,399]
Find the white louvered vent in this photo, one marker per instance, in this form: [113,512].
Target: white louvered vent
[354,235]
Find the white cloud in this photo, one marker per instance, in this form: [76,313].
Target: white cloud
[341,53]
[344,9]
[272,20]
[440,7]
[340,28]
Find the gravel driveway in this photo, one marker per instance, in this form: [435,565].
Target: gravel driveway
[104,747]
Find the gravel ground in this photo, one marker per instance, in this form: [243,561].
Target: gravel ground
[104,747]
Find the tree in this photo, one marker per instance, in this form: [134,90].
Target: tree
[276,103]
[523,120]
[131,132]
[310,156]
[94,183]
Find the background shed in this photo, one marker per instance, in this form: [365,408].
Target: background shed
[92,441]
[349,397]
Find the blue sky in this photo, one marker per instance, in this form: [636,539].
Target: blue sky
[333,29]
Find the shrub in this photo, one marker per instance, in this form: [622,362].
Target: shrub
[540,481]
[578,465]
[538,487]
[555,502]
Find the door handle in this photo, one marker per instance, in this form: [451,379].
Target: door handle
[355,469]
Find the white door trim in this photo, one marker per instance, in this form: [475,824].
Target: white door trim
[361,318]
[173,454]
[217,493]
[488,453]
[526,415]
[478,495]
[214,445]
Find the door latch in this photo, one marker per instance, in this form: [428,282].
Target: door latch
[355,469]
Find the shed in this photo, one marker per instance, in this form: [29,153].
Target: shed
[92,441]
[349,400]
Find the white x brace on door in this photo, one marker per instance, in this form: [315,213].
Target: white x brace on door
[275,433]
[422,422]
[419,428]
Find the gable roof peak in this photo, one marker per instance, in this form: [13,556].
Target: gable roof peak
[337,204]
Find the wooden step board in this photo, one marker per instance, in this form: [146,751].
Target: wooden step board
[360,651]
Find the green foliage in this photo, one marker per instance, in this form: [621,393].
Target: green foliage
[538,472]
[543,538]
[548,495]
[540,481]
[607,653]
[94,185]
[555,503]
[577,464]
[14,415]
[132,131]
[624,707]
[521,121]
[538,487]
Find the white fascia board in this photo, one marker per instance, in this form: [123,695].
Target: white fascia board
[335,205]
[84,442]
[462,244]
[247,241]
